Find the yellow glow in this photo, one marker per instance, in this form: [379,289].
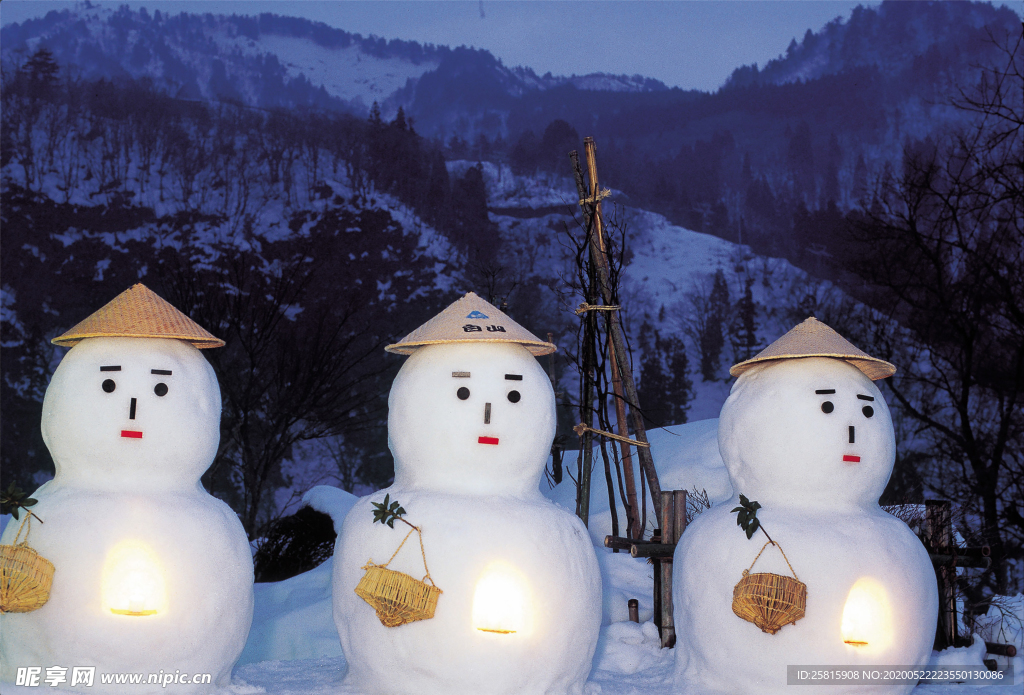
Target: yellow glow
[867,617]
[133,580]
[502,602]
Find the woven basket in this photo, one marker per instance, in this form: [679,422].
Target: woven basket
[25,576]
[770,601]
[397,597]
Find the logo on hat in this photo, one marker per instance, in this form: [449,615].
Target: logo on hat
[450,327]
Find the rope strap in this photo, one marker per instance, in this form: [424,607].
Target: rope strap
[423,553]
[595,199]
[28,529]
[783,557]
[581,428]
[584,308]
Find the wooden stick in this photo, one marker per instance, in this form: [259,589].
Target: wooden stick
[659,551]
[633,528]
[668,536]
[595,225]
[999,649]
[946,560]
[581,428]
[622,543]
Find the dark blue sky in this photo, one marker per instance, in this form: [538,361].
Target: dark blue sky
[693,45]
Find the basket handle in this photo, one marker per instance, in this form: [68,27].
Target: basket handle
[27,520]
[423,553]
[783,557]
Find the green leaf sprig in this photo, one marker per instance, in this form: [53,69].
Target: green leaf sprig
[387,512]
[747,519]
[14,498]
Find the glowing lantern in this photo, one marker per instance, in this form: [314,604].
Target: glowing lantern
[867,617]
[133,580]
[501,602]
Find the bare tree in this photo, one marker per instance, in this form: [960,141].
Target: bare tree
[943,241]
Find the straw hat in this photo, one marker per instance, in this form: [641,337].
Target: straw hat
[812,338]
[471,320]
[139,313]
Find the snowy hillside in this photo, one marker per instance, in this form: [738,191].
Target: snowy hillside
[666,266]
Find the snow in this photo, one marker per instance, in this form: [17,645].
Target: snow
[293,646]
[470,426]
[127,525]
[347,73]
[787,435]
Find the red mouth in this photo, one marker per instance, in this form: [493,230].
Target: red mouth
[851,459]
[487,440]
[131,434]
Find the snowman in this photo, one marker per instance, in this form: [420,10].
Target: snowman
[153,575]
[471,420]
[807,434]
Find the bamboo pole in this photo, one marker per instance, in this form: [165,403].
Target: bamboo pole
[633,528]
[634,610]
[594,224]
[668,537]
[587,414]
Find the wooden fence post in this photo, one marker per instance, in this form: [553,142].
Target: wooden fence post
[673,523]
[938,529]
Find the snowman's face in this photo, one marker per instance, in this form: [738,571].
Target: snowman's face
[473,418]
[132,413]
[812,431]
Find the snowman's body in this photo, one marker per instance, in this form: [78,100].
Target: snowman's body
[812,441]
[153,575]
[469,479]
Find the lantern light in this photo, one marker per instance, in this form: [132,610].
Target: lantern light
[867,616]
[133,580]
[501,602]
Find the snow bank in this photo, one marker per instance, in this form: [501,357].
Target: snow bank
[292,619]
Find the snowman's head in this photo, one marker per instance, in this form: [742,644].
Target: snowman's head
[813,431]
[132,413]
[475,418]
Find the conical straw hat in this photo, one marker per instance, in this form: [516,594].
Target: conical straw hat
[139,313]
[471,320]
[812,338]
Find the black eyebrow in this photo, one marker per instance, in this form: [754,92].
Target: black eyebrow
[513,377]
[113,368]
[825,391]
[460,375]
[164,372]
[865,398]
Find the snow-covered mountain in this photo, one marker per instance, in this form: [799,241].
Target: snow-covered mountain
[896,36]
[267,60]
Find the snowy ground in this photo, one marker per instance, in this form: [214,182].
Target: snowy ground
[293,646]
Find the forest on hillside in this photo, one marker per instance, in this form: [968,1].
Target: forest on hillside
[225,211]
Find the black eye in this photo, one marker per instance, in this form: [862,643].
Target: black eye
[827,407]
[462,393]
[868,411]
[513,396]
[160,389]
[109,385]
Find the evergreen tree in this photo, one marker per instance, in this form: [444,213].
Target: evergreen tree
[678,386]
[712,340]
[744,325]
